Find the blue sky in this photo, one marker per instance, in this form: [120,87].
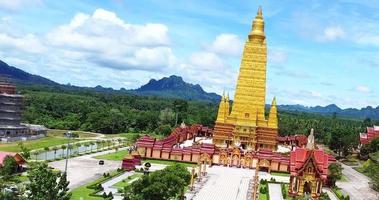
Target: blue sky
[320,52]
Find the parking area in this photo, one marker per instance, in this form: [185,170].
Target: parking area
[84,169]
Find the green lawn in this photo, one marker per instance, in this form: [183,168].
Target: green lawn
[34,144]
[280,174]
[167,162]
[119,155]
[53,138]
[263,196]
[83,192]
[127,181]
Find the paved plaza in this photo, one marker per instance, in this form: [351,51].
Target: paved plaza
[357,186]
[225,183]
[84,169]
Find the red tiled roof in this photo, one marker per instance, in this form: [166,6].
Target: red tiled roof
[19,159]
[300,157]
[371,133]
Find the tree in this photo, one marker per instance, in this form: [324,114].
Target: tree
[78,145]
[343,140]
[63,147]
[166,116]
[91,145]
[46,184]
[163,130]
[9,167]
[364,151]
[36,153]
[334,174]
[55,148]
[159,185]
[46,149]
[25,152]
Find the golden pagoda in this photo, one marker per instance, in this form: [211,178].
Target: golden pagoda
[246,125]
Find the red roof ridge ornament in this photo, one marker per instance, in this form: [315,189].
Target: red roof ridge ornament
[311,140]
[183,125]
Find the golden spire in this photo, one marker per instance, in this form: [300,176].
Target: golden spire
[258,26]
[227,105]
[221,109]
[273,115]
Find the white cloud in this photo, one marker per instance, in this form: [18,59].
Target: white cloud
[227,44]
[106,40]
[28,43]
[17,4]
[332,33]
[362,88]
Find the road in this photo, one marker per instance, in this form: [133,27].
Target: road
[84,169]
[357,186]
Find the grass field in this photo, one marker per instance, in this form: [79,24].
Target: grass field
[83,192]
[127,181]
[119,155]
[34,144]
[167,162]
[53,138]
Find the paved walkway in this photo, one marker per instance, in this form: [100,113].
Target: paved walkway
[356,186]
[108,186]
[225,183]
[84,169]
[275,191]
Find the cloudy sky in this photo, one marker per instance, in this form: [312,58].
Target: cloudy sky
[321,52]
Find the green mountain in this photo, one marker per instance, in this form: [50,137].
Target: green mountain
[175,87]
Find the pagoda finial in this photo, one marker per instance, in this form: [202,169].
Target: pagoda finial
[227,96]
[259,12]
[311,140]
[258,26]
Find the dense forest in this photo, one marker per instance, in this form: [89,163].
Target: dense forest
[108,112]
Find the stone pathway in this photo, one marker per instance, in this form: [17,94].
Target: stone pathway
[357,185]
[275,191]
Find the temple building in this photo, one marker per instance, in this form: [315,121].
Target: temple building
[11,108]
[308,170]
[11,105]
[371,133]
[245,124]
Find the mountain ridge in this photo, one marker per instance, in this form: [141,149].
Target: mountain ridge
[175,87]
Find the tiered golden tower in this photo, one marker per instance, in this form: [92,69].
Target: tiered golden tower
[246,124]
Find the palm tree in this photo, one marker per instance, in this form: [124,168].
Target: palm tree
[35,153]
[91,145]
[46,150]
[78,145]
[98,142]
[55,148]
[86,145]
[70,147]
[109,143]
[63,147]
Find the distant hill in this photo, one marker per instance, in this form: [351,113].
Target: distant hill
[368,112]
[19,76]
[175,87]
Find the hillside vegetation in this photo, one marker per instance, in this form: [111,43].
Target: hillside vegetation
[112,113]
